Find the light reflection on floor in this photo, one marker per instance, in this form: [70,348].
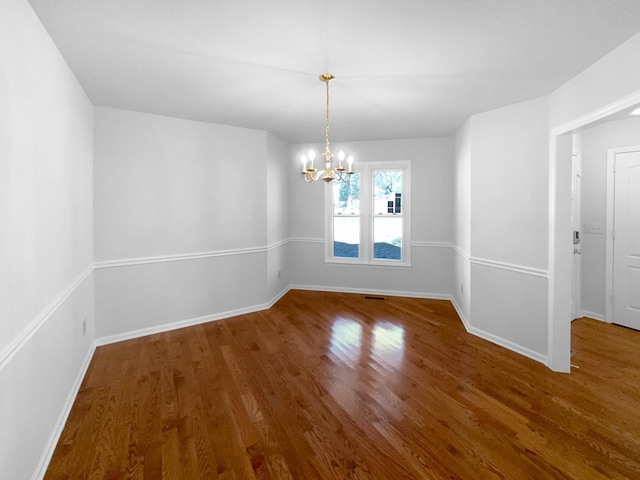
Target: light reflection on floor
[384,343]
[346,340]
[388,344]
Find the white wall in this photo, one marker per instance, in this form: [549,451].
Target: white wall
[612,78]
[462,226]
[509,175]
[503,171]
[278,214]
[432,217]
[181,214]
[167,186]
[594,143]
[46,238]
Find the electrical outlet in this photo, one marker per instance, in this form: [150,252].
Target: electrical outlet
[278,273]
[84,326]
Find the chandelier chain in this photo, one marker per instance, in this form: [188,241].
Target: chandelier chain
[329,173]
[326,134]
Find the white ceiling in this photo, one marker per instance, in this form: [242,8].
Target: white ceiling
[404,68]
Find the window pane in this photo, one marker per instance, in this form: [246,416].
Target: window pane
[387,192]
[346,196]
[346,236]
[387,237]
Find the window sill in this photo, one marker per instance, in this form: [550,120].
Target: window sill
[357,263]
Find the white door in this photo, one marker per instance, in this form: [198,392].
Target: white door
[626,240]
[576,174]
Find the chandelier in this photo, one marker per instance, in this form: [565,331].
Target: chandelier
[340,173]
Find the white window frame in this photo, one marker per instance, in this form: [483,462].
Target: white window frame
[365,251]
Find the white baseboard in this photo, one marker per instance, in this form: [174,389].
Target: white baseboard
[465,322]
[538,357]
[277,298]
[593,315]
[167,327]
[43,464]
[514,347]
[365,291]
[256,308]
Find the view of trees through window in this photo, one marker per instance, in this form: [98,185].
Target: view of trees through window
[346,219]
[387,211]
[382,216]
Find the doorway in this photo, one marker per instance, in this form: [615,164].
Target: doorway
[560,231]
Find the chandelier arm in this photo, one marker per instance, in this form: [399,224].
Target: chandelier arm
[343,176]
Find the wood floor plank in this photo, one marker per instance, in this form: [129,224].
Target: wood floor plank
[335,386]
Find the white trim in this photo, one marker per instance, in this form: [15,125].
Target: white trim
[307,240]
[23,337]
[367,291]
[551,245]
[576,225]
[125,262]
[417,244]
[460,313]
[514,347]
[608,242]
[47,454]
[277,298]
[276,245]
[603,112]
[461,252]
[432,244]
[559,286]
[391,265]
[593,315]
[167,327]
[535,272]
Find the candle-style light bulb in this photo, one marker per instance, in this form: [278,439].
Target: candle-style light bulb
[341,156]
[350,162]
[304,160]
[312,156]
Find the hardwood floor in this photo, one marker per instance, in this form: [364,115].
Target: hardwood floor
[327,385]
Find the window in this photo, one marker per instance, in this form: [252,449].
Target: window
[367,219]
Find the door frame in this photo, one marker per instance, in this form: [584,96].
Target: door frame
[560,242]
[576,221]
[609,240]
